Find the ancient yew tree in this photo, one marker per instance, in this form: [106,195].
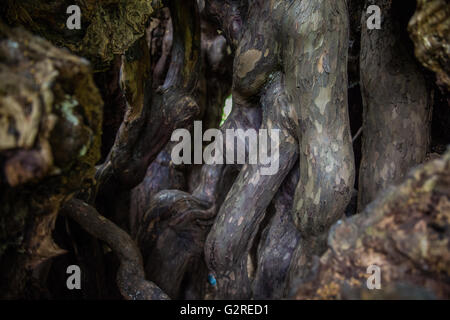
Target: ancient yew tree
[357,93]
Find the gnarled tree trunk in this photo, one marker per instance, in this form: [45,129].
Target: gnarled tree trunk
[94,184]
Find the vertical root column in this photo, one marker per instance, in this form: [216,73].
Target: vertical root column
[317,80]
[231,238]
[396,107]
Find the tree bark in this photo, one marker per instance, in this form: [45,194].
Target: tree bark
[429,29]
[50,111]
[404,232]
[318,81]
[131,276]
[142,227]
[393,90]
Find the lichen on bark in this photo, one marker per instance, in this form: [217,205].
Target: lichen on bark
[108,27]
[429,29]
[405,232]
[51,115]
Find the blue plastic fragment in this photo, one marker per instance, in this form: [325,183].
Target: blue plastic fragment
[212,280]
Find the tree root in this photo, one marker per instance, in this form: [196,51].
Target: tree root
[131,276]
[238,220]
[171,236]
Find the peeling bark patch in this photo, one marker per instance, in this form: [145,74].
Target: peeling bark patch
[323,99]
[317,198]
[247,62]
[322,65]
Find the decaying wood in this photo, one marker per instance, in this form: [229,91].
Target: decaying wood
[405,232]
[131,276]
[50,114]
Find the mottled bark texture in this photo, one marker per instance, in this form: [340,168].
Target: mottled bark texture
[277,243]
[50,120]
[429,29]
[308,103]
[160,175]
[319,83]
[172,235]
[405,232]
[181,270]
[397,104]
